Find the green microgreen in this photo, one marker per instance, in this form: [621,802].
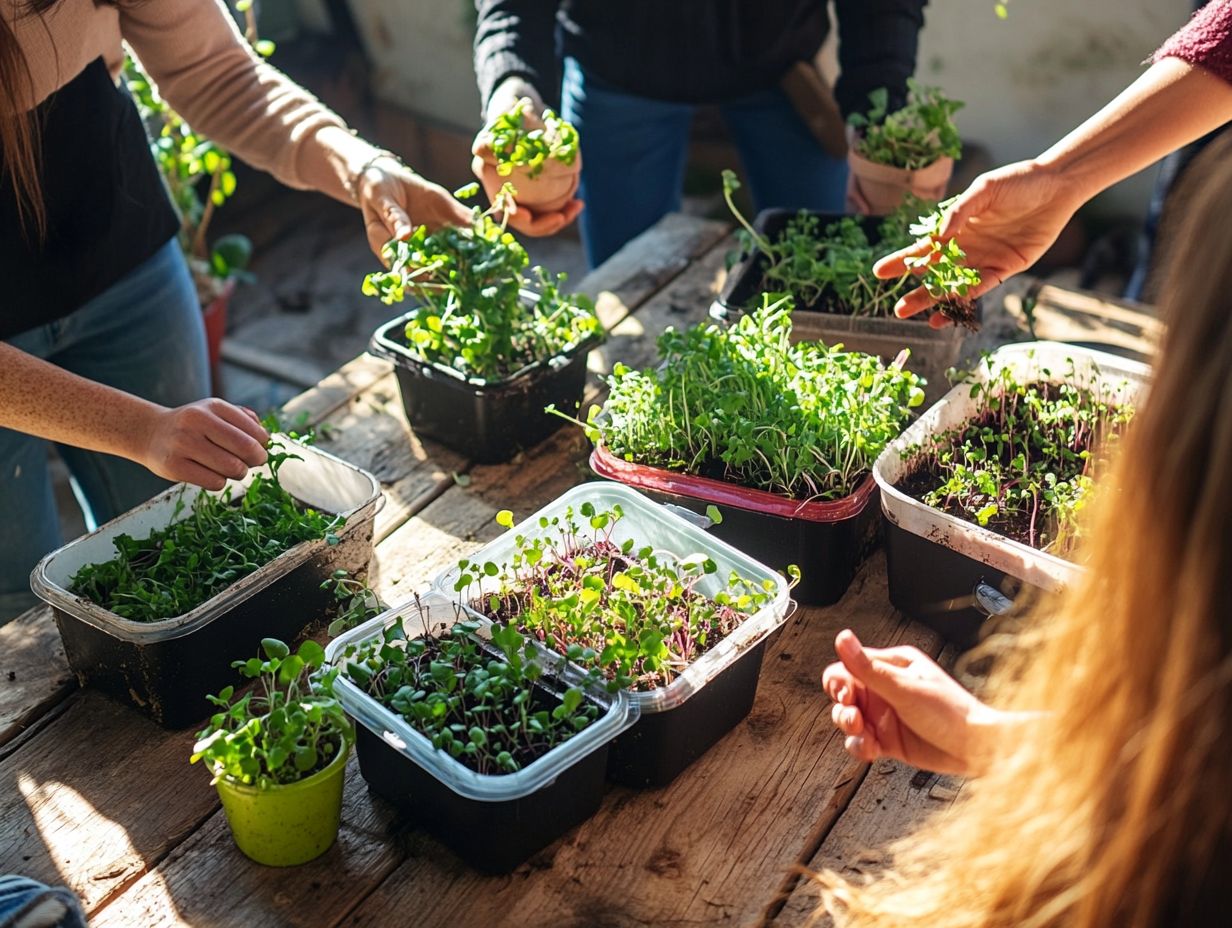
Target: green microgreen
[223,538]
[629,611]
[515,146]
[1023,464]
[743,404]
[486,704]
[284,729]
[912,137]
[354,600]
[478,313]
[942,270]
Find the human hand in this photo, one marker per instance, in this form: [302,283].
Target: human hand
[394,200]
[204,442]
[898,703]
[1004,221]
[546,203]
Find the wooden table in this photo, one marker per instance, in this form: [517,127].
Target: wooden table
[95,796]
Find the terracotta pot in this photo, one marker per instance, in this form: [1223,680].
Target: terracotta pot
[214,314]
[878,189]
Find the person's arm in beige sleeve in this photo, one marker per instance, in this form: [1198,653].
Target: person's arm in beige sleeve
[206,70]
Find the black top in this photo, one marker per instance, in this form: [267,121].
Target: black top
[107,208]
[696,51]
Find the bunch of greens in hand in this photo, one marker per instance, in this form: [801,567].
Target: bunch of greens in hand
[942,270]
[223,538]
[635,614]
[283,730]
[515,146]
[744,404]
[477,312]
[1023,465]
[912,137]
[488,707]
[830,268]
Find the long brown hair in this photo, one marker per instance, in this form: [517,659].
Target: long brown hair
[1115,809]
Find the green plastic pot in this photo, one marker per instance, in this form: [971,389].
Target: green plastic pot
[281,826]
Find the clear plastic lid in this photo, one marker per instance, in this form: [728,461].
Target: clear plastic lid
[318,479]
[649,523]
[433,611]
[1054,362]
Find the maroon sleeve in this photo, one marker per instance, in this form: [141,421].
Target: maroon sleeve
[1206,40]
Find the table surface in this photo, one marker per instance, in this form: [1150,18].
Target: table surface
[95,796]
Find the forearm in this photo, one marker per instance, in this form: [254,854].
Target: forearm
[515,38]
[1172,104]
[41,399]
[878,41]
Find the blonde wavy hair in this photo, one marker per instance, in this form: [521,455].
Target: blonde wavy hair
[1116,808]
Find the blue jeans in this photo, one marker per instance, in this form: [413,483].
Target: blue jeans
[145,336]
[634,150]
[26,902]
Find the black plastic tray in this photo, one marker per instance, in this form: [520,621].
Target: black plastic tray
[489,423]
[660,745]
[168,680]
[492,837]
[938,586]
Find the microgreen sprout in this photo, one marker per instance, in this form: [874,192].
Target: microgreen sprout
[355,601]
[487,705]
[283,730]
[942,270]
[636,614]
[477,312]
[223,538]
[912,137]
[1023,465]
[515,146]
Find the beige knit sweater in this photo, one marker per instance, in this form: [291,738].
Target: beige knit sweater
[205,70]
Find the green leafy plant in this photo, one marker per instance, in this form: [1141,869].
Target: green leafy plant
[515,146]
[943,271]
[187,161]
[743,404]
[355,600]
[626,610]
[486,705]
[912,137]
[830,268]
[223,538]
[283,730]
[477,311]
[1023,465]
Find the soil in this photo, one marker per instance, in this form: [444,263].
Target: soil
[959,312]
[512,606]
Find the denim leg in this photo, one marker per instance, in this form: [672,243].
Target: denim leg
[786,166]
[633,157]
[144,336]
[26,902]
[27,504]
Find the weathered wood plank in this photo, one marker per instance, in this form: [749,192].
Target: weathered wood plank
[207,881]
[335,390]
[711,847]
[33,673]
[892,799]
[1080,316]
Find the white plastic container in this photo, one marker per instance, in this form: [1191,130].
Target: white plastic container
[167,667]
[679,722]
[494,821]
[950,573]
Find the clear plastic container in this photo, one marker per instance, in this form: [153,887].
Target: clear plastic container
[167,667]
[945,571]
[668,738]
[493,821]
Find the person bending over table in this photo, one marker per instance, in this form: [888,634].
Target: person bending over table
[102,345]
[634,72]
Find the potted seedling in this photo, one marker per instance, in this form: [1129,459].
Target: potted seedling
[620,587]
[983,493]
[460,725]
[909,151]
[278,753]
[199,179]
[153,605]
[486,348]
[781,437]
[522,154]
[825,263]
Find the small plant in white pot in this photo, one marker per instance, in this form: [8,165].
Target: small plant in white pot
[909,151]
[278,754]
